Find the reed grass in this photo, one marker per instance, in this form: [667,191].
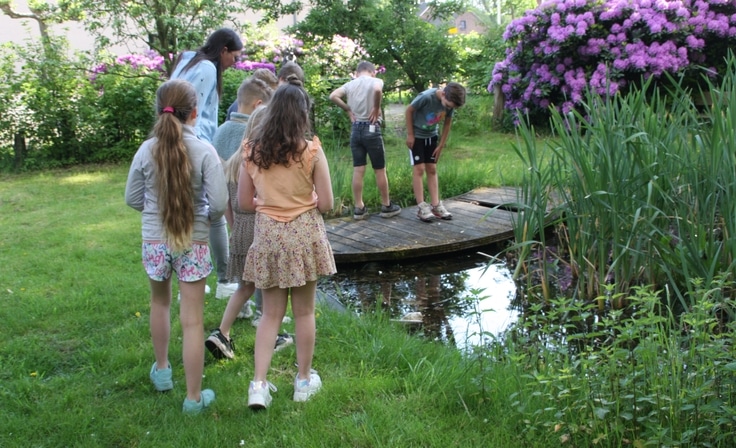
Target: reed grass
[646,190]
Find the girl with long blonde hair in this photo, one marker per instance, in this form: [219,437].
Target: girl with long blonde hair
[176,182]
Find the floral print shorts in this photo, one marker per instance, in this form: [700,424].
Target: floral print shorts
[190,265]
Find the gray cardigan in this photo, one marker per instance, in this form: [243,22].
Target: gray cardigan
[208,186]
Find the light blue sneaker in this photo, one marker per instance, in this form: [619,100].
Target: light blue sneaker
[161,379]
[191,407]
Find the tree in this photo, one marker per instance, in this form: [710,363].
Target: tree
[44,14]
[416,53]
[166,26]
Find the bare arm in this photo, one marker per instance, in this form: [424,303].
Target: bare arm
[246,190]
[443,138]
[323,183]
[229,214]
[377,97]
[336,97]
[409,116]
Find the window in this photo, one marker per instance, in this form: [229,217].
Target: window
[463,25]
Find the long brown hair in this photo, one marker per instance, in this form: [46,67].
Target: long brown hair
[175,101]
[280,140]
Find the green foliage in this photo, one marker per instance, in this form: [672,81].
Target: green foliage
[646,376]
[49,106]
[166,26]
[477,54]
[641,186]
[414,52]
[125,110]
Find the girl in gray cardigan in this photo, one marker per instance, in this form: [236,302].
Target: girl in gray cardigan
[176,182]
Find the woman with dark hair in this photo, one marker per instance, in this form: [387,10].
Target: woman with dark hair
[203,69]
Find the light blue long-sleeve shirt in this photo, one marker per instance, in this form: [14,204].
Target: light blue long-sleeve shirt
[203,76]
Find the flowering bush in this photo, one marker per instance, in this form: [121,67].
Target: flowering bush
[271,50]
[557,52]
[336,57]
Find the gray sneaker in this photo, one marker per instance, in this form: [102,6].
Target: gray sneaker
[359,213]
[390,210]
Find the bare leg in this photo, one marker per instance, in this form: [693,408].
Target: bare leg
[382,184]
[433,184]
[417,182]
[302,305]
[191,317]
[234,305]
[358,175]
[274,308]
[160,321]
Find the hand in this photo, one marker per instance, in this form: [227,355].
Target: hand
[436,153]
[410,141]
[373,117]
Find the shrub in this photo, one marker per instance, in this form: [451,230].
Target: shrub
[559,50]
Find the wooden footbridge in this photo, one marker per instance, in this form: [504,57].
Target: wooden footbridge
[475,223]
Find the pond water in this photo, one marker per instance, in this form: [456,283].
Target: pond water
[460,299]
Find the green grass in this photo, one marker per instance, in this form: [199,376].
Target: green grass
[75,353]
[75,349]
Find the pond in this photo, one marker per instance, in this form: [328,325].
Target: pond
[460,299]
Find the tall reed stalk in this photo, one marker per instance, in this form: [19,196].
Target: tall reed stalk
[646,190]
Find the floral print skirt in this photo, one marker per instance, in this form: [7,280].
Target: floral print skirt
[289,254]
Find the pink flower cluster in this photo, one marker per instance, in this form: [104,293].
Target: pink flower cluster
[564,48]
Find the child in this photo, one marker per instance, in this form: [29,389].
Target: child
[229,135]
[262,74]
[429,108]
[241,222]
[176,181]
[363,105]
[286,180]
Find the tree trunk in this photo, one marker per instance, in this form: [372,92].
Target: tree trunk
[19,147]
[498,100]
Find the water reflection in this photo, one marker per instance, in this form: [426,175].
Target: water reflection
[462,300]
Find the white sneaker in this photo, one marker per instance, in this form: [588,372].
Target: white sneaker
[225,290]
[259,394]
[304,389]
[247,311]
[257,319]
[441,212]
[207,290]
[424,212]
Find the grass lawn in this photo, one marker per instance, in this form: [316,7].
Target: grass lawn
[75,348]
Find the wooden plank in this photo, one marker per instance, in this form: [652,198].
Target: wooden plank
[475,223]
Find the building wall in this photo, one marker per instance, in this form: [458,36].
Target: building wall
[468,22]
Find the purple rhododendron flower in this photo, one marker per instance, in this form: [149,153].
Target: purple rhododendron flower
[558,51]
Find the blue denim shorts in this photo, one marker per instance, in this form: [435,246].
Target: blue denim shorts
[364,144]
[190,265]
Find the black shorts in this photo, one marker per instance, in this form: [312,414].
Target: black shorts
[422,150]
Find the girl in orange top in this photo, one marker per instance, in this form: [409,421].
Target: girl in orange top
[286,180]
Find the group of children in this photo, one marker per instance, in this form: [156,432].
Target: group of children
[426,111]
[260,174]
